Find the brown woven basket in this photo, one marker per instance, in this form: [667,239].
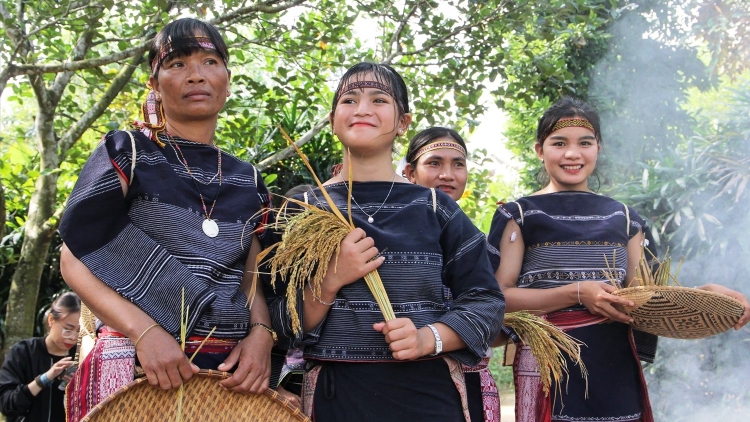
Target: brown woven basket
[680,312]
[203,400]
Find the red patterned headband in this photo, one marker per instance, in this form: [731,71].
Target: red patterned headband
[365,84]
[203,41]
[573,122]
[440,145]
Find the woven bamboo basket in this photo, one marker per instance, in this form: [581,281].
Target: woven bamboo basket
[203,400]
[680,312]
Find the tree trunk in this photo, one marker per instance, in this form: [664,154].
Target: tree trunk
[24,287]
[2,210]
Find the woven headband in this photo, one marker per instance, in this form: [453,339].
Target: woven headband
[439,145]
[365,84]
[573,122]
[203,41]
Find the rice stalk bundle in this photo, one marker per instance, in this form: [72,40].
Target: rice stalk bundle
[547,343]
[184,316]
[645,274]
[310,238]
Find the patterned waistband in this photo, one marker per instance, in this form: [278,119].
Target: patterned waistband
[568,320]
[211,345]
[106,331]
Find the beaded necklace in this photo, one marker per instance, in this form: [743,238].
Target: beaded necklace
[209,226]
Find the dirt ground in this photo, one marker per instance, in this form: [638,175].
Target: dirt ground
[507,406]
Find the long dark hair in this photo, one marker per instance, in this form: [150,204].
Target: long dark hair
[381,73]
[427,137]
[179,36]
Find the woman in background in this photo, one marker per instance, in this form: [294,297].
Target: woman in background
[436,158]
[31,374]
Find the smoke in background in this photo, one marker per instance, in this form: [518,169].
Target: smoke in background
[639,88]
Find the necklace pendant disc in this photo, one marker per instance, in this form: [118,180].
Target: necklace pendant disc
[210,228]
[370,220]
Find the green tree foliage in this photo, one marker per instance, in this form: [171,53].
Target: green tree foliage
[81,64]
[552,56]
[724,27]
[74,58]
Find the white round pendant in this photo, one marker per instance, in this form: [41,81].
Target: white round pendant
[210,228]
[370,220]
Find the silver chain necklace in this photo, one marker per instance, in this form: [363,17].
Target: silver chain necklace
[210,227]
[370,218]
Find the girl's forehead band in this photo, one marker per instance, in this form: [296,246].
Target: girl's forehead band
[439,145]
[573,122]
[365,84]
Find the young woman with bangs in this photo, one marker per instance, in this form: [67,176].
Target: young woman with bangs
[409,368]
[34,369]
[552,248]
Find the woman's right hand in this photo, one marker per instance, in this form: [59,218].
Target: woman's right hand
[294,399]
[162,359]
[356,259]
[59,367]
[597,297]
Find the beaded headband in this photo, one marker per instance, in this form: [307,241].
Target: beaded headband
[365,84]
[573,122]
[166,49]
[439,145]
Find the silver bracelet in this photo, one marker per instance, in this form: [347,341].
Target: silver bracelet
[438,341]
[319,299]
[579,293]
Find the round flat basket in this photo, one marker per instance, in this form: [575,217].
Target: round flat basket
[203,400]
[680,312]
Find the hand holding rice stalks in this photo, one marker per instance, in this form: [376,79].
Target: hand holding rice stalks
[650,275]
[311,238]
[547,343]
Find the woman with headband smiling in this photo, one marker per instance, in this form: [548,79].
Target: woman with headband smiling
[436,158]
[361,368]
[552,250]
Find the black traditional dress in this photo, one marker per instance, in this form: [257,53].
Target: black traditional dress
[569,237]
[149,245]
[428,243]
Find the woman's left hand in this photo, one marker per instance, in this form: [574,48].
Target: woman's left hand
[716,288]
[252,356]
[406,342]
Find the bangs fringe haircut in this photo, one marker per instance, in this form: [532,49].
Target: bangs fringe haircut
[180,37]
[381,73]
[429,136]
